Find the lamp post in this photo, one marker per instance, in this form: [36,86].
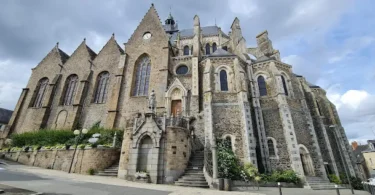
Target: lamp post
[78,134]
[341,155]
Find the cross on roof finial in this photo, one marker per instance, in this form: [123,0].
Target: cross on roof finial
[113,34]
[57,45]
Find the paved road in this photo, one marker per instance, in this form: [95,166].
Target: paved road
[53,182]
[62,186]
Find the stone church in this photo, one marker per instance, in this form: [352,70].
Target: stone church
[175,92]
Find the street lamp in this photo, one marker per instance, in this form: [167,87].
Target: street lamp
[341,155]
[78,134]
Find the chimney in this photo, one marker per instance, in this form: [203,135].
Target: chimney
[354,145]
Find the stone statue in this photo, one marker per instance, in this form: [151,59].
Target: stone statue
[152,101]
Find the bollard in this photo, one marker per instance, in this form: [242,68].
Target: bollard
[278,183]
[337,189]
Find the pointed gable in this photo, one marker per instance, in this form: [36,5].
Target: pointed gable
[55,57]
[83,50]
[150,23]
[111,47]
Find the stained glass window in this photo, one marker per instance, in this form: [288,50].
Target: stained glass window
[142,77]
[186,50]
[102,88]
[70,89]
[284,85]
[182,69]
[223,80]
[271,147]
[214,47]
[262,86]
[207,49]
[41,90]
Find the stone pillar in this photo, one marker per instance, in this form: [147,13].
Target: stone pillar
[214,161]
[13,120]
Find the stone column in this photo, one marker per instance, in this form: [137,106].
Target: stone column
[214,161]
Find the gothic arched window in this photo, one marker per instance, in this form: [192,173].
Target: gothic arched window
[70,89]
[223,80]
[262,86]
[41,90]
[271,147]
[207,49]
[317,105]
[284,85]
[101,88]
[186,50]
[228,139]
[142,76]
[214,47]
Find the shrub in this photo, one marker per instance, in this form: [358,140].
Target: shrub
[229,166]
[288,176]
[91,171]
[42,137]
[106,136]
[343,178]
[356,183]
[334,179]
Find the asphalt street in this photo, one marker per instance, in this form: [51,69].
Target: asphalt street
[61,186]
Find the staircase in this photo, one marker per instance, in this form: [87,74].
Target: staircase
[110,171]
[318,183]
[193,176]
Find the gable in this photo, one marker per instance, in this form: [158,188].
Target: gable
[150,23]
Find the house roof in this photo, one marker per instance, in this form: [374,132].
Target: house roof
[5,115]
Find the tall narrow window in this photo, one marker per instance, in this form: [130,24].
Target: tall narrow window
[262,86]
[271,147]
[41,90]
[207,49]
[229,141]
[101,88]
[70,89]
[191,50]
[223,80]
[214,47]
[142,76]
[319,111]
[186,50]
[284,85]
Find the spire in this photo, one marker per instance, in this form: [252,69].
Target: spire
[170,24]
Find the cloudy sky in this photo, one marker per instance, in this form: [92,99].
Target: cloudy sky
[330,42]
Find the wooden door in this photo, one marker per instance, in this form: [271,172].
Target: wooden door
[176,107]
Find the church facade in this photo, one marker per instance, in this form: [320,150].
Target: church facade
[175,92]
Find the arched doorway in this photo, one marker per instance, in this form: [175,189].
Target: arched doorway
[306,160]
[144,154]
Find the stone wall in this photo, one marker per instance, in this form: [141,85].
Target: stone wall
[97,159]
[176,153]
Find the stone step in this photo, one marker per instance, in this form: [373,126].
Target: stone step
[194,174]
[107,174]
[186,178]
[109,171]
[192,185]
[191,182]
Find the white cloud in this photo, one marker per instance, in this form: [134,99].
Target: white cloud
[356,109]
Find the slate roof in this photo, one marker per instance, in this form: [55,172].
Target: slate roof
[5,115]
[63,55]
[189,33]
[221,52]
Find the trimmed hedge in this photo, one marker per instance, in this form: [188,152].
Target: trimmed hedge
[44,137]
[47,137]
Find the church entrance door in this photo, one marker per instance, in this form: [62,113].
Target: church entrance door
[176,107]
[307,163]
